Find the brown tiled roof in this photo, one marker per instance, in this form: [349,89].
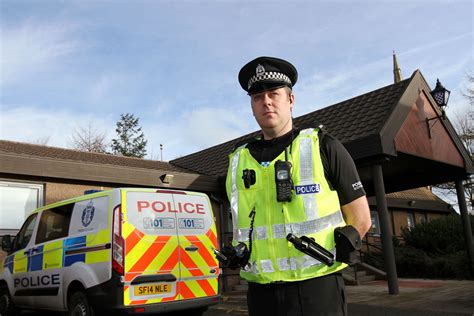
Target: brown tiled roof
[349,121]
[32,150]
[419,194]
[415,199]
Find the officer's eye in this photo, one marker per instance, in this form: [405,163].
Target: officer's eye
[257,97]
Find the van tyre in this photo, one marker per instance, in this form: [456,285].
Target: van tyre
[6,304]
[78,305]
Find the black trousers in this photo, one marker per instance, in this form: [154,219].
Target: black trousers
[319,296]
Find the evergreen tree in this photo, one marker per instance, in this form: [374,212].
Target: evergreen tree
[130,139]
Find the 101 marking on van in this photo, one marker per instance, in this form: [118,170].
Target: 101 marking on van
[169,223]
[191,223]
[158,223]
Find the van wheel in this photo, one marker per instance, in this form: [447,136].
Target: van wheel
[6,304]
[79,306]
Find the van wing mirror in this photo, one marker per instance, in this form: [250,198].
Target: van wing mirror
[7,244]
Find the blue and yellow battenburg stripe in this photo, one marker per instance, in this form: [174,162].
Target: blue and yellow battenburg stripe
[60,253]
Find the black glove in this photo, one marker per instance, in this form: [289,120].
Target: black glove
[348,241]
[233,257]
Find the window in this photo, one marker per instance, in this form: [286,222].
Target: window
[17,200]
[54,223]
[375,228]
[423,218]
[410,220]
[25,233]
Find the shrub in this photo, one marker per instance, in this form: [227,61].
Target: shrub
[432,250]
[441,236]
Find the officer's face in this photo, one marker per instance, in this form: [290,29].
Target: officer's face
[272,110]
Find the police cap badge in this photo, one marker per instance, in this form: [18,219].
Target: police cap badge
[264,73]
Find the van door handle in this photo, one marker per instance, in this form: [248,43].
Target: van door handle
[191,248]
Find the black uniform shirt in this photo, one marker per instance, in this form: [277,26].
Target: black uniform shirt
[339,168]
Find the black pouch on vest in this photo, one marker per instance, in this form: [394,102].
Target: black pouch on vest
[348,241]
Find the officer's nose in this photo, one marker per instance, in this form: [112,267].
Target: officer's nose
[266,99]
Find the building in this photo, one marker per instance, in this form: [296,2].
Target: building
[389,132]
[34,175]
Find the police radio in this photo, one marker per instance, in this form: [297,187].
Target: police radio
[283,180]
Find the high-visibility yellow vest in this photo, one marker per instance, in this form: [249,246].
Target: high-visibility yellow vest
[314,211]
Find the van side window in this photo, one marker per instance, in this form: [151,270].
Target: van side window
[24,235]
[54,223]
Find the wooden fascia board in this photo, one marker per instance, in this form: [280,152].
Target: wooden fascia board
[389,131]
[399,113]
[62,169]
[459,144]
[449,127]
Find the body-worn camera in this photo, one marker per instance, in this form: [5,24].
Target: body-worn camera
[248,176]
[233,257]
[311,248]
[283,181]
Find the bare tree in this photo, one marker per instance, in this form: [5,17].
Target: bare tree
[464,125]
[43,140]
[89,139]
[469,93]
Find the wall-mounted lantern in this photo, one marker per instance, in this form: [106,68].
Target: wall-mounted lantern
[441,95]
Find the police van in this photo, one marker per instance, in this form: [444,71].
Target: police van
[137,250]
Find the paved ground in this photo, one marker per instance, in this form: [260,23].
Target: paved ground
[416,297]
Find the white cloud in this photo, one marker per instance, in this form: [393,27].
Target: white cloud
[29,124]
[196,130]
[330,86]
[30,48]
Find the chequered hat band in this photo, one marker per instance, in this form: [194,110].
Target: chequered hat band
[269,76]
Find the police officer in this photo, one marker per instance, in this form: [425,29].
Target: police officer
[298,181]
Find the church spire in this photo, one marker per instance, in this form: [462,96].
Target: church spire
[397,73]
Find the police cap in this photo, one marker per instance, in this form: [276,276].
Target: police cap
[264,73]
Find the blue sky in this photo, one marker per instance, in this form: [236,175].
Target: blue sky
[174,64]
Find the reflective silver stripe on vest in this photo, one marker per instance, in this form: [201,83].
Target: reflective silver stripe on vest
[299,263]
[259,233]
[306,173]
[234,199]
[299,229]
[310,227]
[267,266]
[262,233]
[291,263]
[242,234]
[251,267]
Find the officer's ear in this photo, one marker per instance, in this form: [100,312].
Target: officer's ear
[292,101]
